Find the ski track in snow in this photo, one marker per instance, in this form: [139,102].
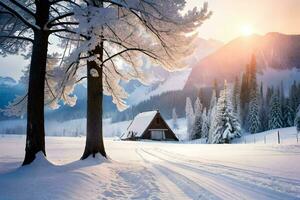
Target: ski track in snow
[212,181]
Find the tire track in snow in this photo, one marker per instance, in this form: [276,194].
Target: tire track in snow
[279,184]
[222,185]
[188,189]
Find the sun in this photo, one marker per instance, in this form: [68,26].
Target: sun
[247,30]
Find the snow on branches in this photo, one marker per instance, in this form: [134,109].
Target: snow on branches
[225,125]
[129,31]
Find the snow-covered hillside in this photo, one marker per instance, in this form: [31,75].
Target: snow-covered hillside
[150,170]
[174,81]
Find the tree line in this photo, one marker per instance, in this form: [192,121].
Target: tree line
[244,106]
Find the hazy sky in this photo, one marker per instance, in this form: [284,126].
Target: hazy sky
[231,16]
[230,19]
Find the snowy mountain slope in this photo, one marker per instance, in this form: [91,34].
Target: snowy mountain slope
[174,81]
[150,170]
[161,81]
[273,51]
[165,81]
[7,81]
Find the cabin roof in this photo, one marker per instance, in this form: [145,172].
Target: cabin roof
[140,123]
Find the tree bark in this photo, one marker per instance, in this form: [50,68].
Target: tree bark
[35,139]
[94,132]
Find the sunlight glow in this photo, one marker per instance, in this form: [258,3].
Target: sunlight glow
[247,30]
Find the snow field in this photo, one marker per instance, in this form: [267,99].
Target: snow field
[150,170]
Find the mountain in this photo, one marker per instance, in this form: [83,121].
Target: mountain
[9,89]
[274,52]
[165,81]
[277,59]
[7,81]
[162,81]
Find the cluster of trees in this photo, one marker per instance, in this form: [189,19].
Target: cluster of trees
[244,106]
[102,41]
[260,110]
[218,124]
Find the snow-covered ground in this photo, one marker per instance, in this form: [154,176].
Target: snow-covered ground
[286,136]
[150,170]
[77,128]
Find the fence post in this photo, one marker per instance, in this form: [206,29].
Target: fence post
[297,137]
[278,137]
[254,140]
[265,139]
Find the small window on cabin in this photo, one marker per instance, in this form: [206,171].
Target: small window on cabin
[157,120]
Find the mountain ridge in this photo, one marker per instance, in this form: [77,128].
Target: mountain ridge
[273,50]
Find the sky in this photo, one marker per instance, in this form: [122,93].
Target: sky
[230,19]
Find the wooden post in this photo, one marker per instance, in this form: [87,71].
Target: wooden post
[297,136]
[278,137]
[254,140]
[265,139]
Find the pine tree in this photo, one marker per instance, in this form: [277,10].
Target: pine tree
[174,119]
[216,87]
[197,127]
[236,97]
[225,125]
[211,113]
[198,107]
[263,110]
[288,114]
[293,99]
[212,104]
[275,114]
[244,97]
[205,124]
[190,117]
[270,92]
[253,115]
[294,96]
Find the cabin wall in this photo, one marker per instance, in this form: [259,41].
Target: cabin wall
[159,123]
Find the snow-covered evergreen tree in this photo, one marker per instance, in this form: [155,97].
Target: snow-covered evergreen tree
[253,114]
[275,114]
[297,119]
[225,125]
[288,114]
[205,124]
[236,97]
[211,115]
[263,115]
[174,119]
[198,107]
[190,117]
[212,104]
[197,127]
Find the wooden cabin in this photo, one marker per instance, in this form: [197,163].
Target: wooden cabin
[149,125]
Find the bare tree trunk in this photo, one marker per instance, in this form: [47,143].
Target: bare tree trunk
[35,140]
[94,134]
